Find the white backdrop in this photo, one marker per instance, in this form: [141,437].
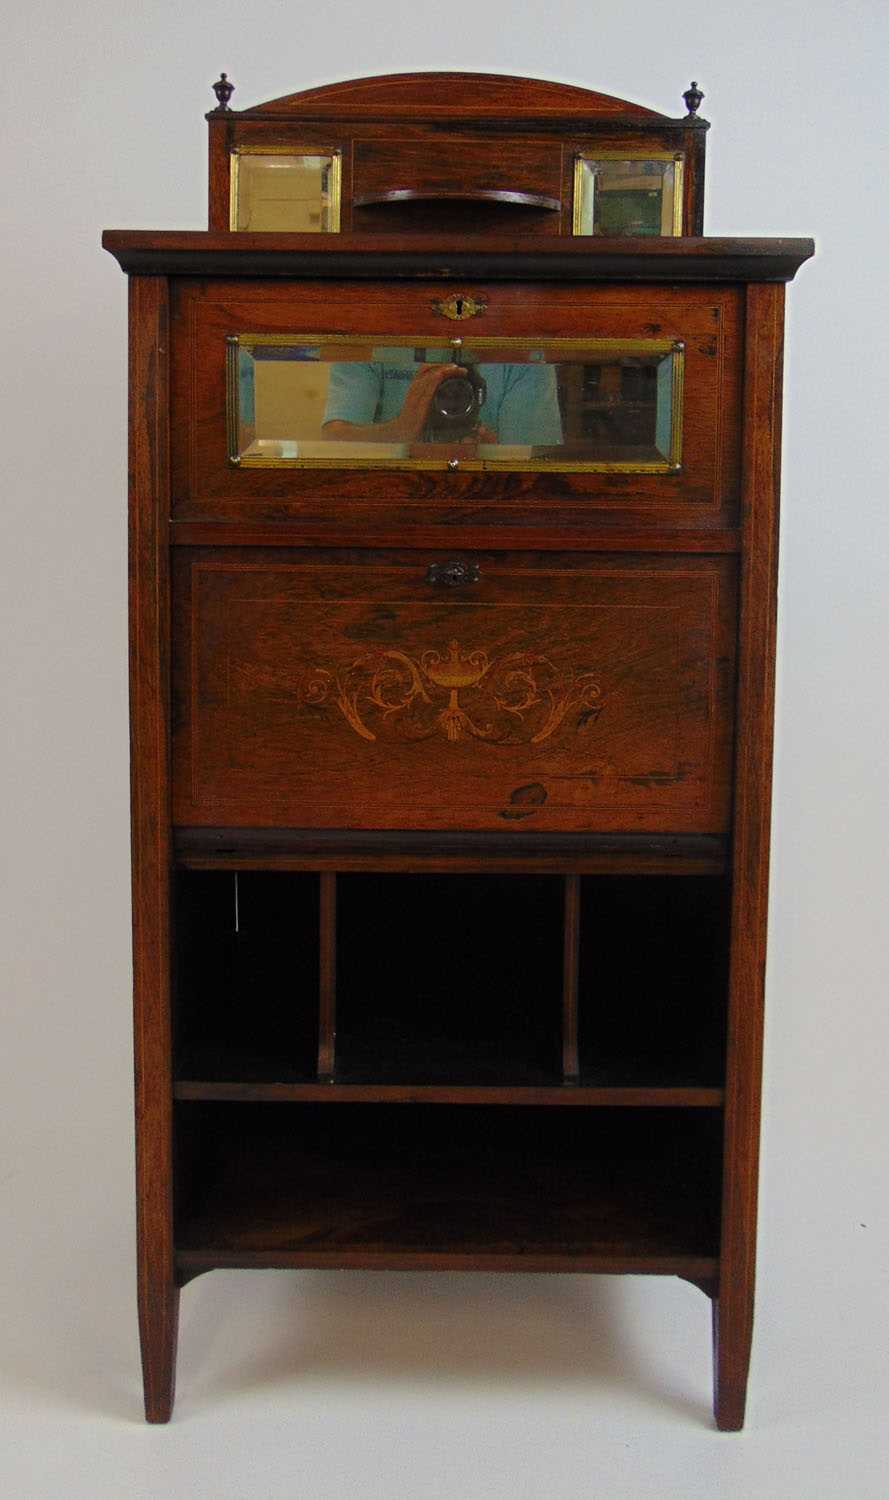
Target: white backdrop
[396,1386]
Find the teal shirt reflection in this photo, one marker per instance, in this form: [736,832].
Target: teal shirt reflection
[521,404]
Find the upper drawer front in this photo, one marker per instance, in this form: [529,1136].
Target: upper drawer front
[593,399]
[348,691]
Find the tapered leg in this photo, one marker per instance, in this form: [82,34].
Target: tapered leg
[732,1339]
[158,1331]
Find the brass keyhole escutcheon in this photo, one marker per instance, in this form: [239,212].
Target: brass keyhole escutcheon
[459,306]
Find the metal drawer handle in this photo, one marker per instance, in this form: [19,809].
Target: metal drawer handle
[453,575]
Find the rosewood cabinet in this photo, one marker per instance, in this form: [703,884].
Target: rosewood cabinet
[453,515]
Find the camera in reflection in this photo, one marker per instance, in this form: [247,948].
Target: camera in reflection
[456,404]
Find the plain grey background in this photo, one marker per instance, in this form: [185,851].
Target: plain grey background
[395,1386]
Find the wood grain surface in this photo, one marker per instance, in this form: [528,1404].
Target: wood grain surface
[344,691]
[733,1308]
[452,900]
[704,492]
[150,782]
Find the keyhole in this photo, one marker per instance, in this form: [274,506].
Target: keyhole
[459,307]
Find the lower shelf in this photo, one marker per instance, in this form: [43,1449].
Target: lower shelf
[602,1095]
[401,1186]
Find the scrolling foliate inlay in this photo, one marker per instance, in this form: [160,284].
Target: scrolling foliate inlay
[520,698]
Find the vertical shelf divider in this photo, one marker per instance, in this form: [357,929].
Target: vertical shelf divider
[570,1051]
[327,978]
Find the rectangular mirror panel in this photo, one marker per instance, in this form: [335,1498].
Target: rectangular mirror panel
[286,191]
[497,403]
[628,196]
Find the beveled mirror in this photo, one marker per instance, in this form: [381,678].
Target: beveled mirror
[625,195]
[342,400]
[279,188]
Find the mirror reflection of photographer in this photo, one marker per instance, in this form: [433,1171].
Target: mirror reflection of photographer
[397,399]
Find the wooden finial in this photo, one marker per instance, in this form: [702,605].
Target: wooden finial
[224,90]
[693,97]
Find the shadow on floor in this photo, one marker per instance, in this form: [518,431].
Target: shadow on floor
[422,1329]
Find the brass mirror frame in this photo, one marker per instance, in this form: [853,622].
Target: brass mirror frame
[670,464]
[336,178]
[676,157]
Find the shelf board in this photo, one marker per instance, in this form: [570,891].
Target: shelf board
[390,1050]
[502,197]
[465,1190]
[566,1094]
[436,852]
[617,1262]
[209,1067]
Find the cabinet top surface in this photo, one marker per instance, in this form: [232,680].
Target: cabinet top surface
[442,257]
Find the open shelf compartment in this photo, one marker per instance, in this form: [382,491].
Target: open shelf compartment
[652,975]
[403,1185]
[449,979]
[246,979]
[511,988]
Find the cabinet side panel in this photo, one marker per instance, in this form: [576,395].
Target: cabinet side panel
[150,788]
[733,1311]
[218,169]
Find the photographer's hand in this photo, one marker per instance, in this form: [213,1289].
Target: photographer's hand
[408,426]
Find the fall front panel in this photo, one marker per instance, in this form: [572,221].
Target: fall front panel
[394,690]
[292,396]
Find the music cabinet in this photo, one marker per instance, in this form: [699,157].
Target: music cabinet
[453,515]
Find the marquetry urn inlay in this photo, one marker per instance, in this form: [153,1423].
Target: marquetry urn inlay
[522,697]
